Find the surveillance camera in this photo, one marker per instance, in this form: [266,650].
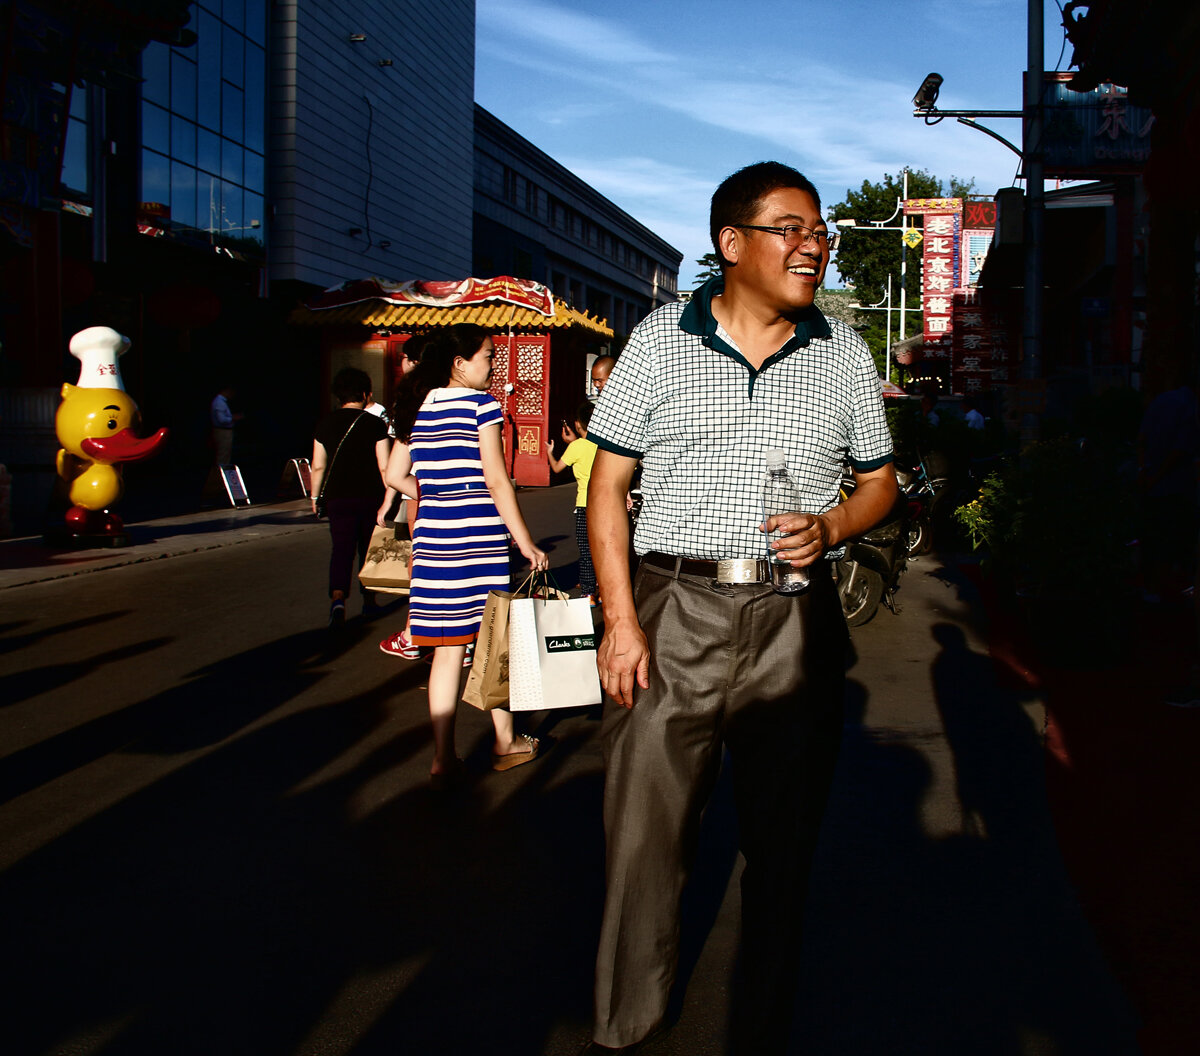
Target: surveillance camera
[927,94]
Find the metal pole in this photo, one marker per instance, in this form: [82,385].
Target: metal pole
[887,361]
[1031,335]
[903,260]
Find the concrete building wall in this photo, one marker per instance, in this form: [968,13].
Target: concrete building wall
[364,154]
[535,219]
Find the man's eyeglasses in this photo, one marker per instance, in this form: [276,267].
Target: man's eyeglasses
[795,235]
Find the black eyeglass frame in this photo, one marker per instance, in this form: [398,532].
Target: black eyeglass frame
[829,239]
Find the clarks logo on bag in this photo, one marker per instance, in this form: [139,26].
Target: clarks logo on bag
[577,643]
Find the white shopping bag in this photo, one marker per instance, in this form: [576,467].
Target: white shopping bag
[551,654]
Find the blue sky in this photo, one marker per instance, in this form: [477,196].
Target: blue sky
[654,102]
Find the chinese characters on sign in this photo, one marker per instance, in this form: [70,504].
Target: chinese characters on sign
[1090,134]
[941,268]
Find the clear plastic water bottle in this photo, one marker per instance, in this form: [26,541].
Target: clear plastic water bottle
[780,495]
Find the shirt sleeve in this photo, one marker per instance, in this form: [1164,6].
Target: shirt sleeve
[619,421]
[488,412]
[870,440]
[573,453]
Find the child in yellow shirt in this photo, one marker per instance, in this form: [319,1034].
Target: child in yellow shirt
[579,455]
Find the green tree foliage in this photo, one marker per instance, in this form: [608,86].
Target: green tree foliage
[710,267]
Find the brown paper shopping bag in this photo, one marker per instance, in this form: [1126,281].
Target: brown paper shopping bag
[487,682]
[386,567]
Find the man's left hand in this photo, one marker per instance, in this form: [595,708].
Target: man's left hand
[806,537]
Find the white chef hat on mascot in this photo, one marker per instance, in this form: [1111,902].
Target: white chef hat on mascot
[97,349]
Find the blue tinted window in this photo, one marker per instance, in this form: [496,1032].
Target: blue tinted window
[231,209]
[183,140]
[208,151]
[208,56]
[156,69]
[231,161]
[232,61]
[234,12]
[255,177]
[156,128]
[256,99]
[183,85]
[183,194]
[254,216]
[75,154]
[156,177]
[208,201]
[256,20]
[231,111]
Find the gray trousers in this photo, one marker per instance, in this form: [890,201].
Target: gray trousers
[763,674]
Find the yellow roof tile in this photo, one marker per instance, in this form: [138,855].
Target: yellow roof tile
[379,315]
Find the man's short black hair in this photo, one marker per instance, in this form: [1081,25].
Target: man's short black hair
[351,385]
[737,200]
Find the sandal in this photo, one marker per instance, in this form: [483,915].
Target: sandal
[507,762]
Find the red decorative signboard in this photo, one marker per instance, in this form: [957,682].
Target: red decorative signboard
[504,288]
[940,269]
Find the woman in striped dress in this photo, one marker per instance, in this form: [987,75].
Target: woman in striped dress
[448,428]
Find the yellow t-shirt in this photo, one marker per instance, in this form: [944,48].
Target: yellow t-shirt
[579,455]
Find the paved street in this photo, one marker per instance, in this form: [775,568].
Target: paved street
[216,837]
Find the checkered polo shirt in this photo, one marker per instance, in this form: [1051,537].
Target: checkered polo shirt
[683,399]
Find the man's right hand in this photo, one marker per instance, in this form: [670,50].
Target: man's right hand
[623,660]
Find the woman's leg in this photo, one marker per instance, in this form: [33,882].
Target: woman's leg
[507,742]
[342,532]
[444,677]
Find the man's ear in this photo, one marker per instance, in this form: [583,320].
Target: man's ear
[728,242]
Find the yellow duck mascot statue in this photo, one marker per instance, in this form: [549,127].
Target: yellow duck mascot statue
[96,424]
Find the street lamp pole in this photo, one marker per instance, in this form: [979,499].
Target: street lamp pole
[879,306]
[881,225]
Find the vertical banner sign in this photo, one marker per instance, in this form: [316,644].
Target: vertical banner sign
[941,272]
[979,227]
[971,349]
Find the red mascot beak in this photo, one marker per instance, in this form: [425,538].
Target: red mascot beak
[122,446]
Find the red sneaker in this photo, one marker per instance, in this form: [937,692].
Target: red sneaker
[400,645]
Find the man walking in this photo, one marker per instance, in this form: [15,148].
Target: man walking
[698,650]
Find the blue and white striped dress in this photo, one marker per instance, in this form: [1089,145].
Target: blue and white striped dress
[460,544]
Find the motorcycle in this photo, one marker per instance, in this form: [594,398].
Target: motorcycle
[871,568]
[924,491]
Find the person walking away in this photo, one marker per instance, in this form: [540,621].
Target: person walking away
[448,443]
[698,651]
[350,451]
[579,455]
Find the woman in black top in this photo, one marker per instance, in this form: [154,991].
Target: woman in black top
[350,453]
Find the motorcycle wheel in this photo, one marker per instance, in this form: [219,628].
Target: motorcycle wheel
[918,538]
[860,591]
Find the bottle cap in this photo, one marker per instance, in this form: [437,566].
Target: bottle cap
[776,459]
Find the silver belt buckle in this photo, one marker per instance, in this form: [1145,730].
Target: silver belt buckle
[738,570]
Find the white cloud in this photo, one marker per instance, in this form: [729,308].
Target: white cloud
[538,25]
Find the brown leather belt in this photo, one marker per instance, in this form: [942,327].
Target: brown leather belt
[740,570]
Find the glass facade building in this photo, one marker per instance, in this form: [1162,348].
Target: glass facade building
[203,126]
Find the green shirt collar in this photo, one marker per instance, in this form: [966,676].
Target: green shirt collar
[697,318]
